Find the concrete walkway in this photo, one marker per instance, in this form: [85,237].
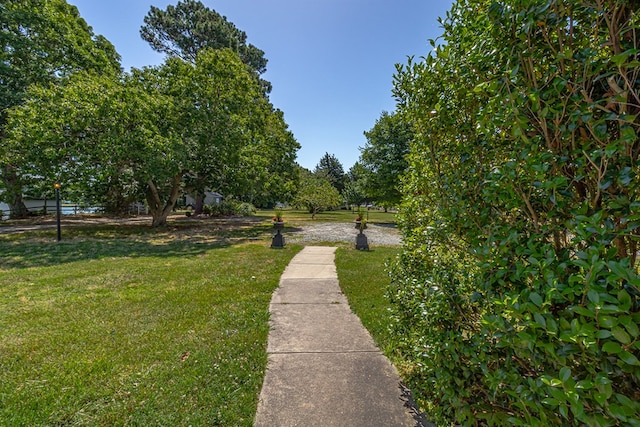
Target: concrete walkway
[324,369]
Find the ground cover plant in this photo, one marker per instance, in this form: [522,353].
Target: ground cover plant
[517,295]
[124,325]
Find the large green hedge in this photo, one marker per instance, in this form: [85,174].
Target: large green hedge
[517,296]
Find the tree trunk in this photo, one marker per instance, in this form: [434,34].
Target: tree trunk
[199,197]
[160,212]
[13,196]
[118,200]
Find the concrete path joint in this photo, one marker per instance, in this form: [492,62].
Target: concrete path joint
[323,367]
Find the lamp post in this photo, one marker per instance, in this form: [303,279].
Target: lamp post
[57,187]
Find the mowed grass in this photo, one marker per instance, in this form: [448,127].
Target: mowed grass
[364,280]
[132,326]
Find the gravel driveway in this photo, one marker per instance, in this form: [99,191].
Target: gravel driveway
[341,232]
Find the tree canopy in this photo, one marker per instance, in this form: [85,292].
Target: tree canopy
[41,42]
[355,188]
[200,121]
[98,136]
[189,26]
[330,167]
[384,157]
[151,132]
[268,173]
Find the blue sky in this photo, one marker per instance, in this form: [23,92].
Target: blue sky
[331,62]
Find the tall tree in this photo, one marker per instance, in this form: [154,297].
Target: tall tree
[189,26]
[183,31]
[385,157]
[330,167]
[41,41]
[220,110]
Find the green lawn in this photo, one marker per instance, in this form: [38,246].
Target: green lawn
[118,326]
[126,325]
[364,281]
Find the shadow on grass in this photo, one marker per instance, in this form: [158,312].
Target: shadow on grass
[91,242]
[385,224]
[293,230]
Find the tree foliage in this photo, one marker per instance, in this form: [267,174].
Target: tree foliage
[184,30]
[238,143]
[315,192]
[151,132]
[268,173]
[384,157]
[517,294]
[189,26]
[219,108]
[99,136]
[41,41]
[330,167]
[355,188]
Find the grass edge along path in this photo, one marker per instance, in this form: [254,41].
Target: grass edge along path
[364,281]
[168,334]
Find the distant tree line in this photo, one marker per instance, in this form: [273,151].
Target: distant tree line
[376,177]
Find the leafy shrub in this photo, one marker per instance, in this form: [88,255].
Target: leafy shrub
[230,207]
[246,209]
[517,296]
